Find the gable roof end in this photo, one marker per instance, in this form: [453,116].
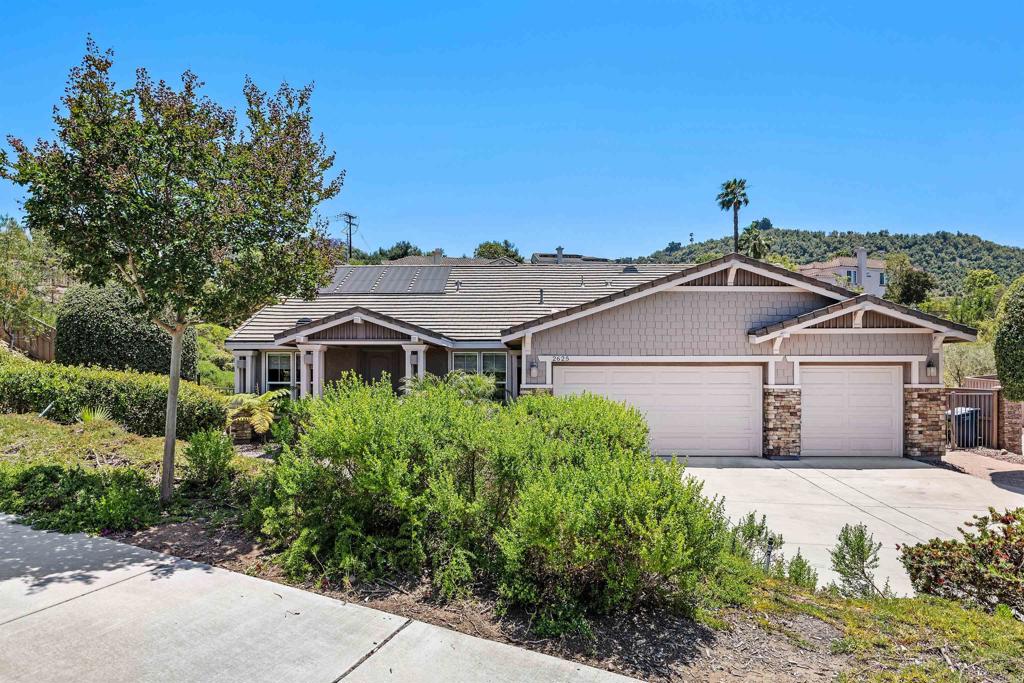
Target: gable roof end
[810,283]
[866,302]
[293,333]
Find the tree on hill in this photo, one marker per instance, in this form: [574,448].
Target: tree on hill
[948,256]
[158,189]
[731,198]
[1009,343]
[907,285]
[493,249]
[978,300]
[398,250]
[754,242]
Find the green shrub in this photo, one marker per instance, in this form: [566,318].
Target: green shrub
[1009,343]
[99,326]
[800,573]
[216,364]
[208,459]
[73,498]
[554,501]
[855,559]
[135,400]
[985,569]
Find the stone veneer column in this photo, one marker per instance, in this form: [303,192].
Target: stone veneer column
[782,414]
[1011,421]
[924,421]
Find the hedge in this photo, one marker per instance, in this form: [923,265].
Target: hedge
[97,326]
[136,400]
[1009,343]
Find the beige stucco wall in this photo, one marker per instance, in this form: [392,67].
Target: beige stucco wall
[712,324]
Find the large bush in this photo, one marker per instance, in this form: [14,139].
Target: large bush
[135,400]
[554,501]
[1009,344]
[99,326]
[985,569]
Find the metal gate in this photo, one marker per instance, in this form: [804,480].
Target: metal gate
[972,418]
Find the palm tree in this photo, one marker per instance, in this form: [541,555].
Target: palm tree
[733,196]
[755,243]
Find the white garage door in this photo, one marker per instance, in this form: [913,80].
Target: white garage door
[690,410]
[851,411]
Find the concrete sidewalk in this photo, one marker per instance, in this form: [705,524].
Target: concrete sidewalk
[80,608]
[902,502]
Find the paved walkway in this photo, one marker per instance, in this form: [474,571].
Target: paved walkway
[808,501]
[1005,475]
[80,608]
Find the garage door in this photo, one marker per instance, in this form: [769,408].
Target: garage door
[690,410]
[851,411]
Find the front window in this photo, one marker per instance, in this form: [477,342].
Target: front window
[466,362]
[494,364]
[491,363]
[882,279]
[279,371]
[851,276]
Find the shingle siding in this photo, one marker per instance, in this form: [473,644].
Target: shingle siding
[712,324]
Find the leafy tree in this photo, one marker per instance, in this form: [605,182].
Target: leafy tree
[160,190]
[961,361]
[978,301]
[23,272]
[907,285]
[783,261]
[708,256]
[754,243]
[731,198]
[398,250]
[855,559]
[763,224]
[493,249]
[1009,344]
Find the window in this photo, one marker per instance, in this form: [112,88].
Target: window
[466,362]
[493,363]
[279,371]
[851,277]
[882,279]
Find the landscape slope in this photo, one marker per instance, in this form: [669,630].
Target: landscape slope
[946,255]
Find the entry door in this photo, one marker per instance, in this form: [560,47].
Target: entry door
[691,410]
[378,361]
[851,410]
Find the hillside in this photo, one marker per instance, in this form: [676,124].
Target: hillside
[946,255]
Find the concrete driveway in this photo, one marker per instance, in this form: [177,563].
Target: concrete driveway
[808,501]
[79,608]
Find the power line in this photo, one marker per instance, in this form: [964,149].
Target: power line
[351,227]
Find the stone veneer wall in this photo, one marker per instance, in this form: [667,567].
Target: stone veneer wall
[1011,421]
[782,413]
[924,422]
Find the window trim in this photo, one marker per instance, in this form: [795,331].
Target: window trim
[291,371]
[500,386]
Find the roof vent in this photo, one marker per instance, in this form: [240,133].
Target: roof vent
[458,285]
[558,254]
[630,269]
[541,295]
[303,321]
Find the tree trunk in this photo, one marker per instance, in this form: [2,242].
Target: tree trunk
[171,421]
[736,228]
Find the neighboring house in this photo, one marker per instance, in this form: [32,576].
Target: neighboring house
[857,271]
[436,258]
[559,257]
[730,357]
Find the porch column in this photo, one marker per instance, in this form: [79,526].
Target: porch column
[318,370]
[239,366]
[250,371]
[303,373]
[421,359]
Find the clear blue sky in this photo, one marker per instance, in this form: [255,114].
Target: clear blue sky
[602,126]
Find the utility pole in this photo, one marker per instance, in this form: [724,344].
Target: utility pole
[351,226]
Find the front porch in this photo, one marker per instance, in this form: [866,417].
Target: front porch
[311,355]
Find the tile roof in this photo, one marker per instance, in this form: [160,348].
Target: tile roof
[853,303]
[477,301]
[841,262]
[428,260]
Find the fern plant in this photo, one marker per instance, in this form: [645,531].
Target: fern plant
[95,414]
[257,410]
